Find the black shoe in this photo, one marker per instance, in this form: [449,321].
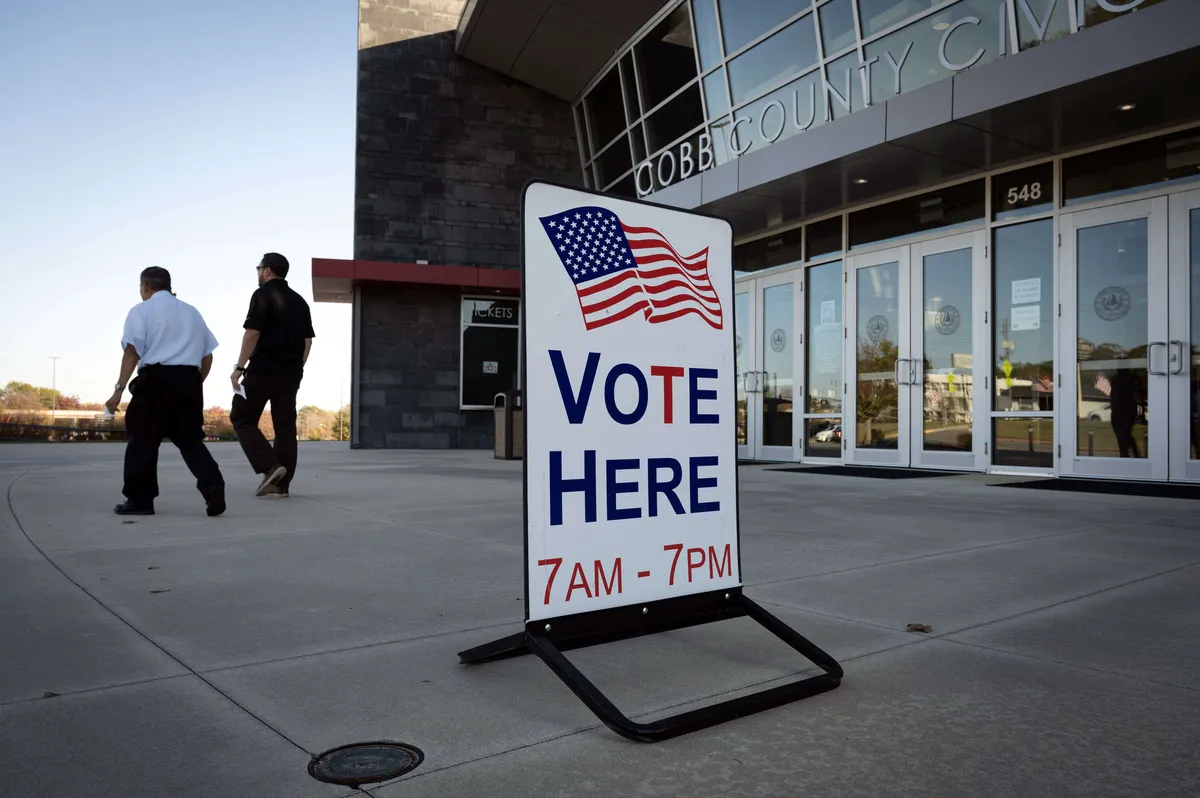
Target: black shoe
[129,507]
[215,501]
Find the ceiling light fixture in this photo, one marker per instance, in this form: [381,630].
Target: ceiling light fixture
[861,181]
[1126,107]
[941,26]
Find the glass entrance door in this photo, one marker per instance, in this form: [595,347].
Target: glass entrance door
[748,377]
[777,343]
[1116,345]
[1183,344]
[915,321]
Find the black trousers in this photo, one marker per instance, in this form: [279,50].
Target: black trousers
[280,390]
[167,402]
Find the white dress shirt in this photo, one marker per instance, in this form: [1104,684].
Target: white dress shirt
[167,332]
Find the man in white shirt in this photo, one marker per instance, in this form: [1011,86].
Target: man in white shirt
[171,346]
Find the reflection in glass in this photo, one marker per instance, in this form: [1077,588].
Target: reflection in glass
[778,340]
[1038,23]
[845,86]
[877,15]
[1023,306]
[1112,274]
[787,53]
[920,64]
[1163,161]
[837,26]
[605,110]
[801,101]
[705,17]
[741,336]
[1194,310]
[948,352]
[877,397]
[666,58]
[824,342]
[743,22]
[952,206]
[630,83]
[1025,442]
[716,98]
[823,437]
[1094,13]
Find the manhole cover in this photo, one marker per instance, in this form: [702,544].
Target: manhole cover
[363,763]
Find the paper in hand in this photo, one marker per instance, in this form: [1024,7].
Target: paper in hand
[241,391]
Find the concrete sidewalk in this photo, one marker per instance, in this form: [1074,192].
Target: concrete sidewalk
[211,657]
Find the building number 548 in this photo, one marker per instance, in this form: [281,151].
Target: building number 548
[1026,193]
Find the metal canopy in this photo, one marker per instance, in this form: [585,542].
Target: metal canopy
[553,45]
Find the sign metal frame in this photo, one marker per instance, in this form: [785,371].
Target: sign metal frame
[550,638]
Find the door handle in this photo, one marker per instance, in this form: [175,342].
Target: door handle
[1174,358]
[1150,358]
[896,371]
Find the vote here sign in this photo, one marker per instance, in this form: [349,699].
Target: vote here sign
[631,466]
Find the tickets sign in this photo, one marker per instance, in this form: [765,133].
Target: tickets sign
[631,468]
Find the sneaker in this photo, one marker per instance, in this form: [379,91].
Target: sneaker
[214,501]
[130,507]
[275,492]
[270,480]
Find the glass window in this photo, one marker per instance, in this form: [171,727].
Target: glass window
[673,173]
[606,110]
[1094,13]
[824,342]
[1040,21]
[956,205]
[638,137]
[675,119]
[1107,173]
[704,13]
[742,22]
[877,425]
[766,253]
[490,350]
[912,57]
[715,96]
[800,101]
[742,362]
[845,92]
[1025,192]
[624,188]
[1023,307]
[581,132]
[1023,442]
[630,83]
[613,162]
[837,26]
[666,58]
[877,15]
[787,53]
[823,437]
[824,238]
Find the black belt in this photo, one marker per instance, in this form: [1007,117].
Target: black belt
[158,366]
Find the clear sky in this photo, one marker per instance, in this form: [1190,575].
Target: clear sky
[194,136]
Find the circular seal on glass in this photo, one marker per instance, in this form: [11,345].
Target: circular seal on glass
[1112,303]
[947,319]
[778,340]
[877,328]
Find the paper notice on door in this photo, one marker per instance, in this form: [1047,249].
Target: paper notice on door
[491,367]
[1027,291]
[1028,317]
[829,312]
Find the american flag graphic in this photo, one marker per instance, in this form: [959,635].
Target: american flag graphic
[620,270]
[1103,385]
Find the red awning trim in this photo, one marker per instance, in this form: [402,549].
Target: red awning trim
[333,279]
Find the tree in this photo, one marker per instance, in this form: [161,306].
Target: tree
[217,424]
[341,424]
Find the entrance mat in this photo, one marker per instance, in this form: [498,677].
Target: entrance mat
[1157,490]
[868,471]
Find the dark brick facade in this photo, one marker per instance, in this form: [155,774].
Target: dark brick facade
[444,148]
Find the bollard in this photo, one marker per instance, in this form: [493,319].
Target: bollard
[1031,437]
[1091,443]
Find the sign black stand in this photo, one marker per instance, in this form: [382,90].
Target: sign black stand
[549,639]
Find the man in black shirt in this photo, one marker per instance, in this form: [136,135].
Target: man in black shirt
[276,343]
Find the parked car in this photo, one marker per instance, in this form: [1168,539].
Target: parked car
[830,434]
